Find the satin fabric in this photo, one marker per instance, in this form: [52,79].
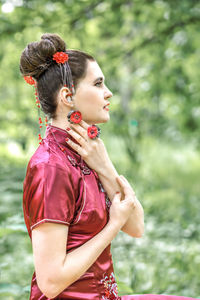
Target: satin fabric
[59,187]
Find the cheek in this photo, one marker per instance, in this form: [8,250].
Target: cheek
[90,98]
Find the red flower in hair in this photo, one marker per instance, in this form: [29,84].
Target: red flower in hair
[29,80]
[93,131]
[74,116]
[60,57]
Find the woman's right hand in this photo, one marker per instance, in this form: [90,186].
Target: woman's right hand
[120,210]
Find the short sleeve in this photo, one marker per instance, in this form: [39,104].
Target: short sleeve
[49,195]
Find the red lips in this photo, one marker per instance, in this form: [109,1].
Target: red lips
[106,105]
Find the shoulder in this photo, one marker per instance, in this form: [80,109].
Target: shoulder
[47,160]
[49,174]
[47,156]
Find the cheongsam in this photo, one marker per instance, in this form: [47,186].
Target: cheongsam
[59,187]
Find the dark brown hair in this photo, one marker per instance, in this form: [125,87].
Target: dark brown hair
[36,61]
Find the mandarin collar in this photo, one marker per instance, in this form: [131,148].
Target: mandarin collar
[59,135]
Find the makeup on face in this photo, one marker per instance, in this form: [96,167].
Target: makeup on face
[93,96]
[106,107]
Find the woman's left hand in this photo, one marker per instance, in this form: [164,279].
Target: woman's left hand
[93,151]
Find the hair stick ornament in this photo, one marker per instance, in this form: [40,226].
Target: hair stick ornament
[62,59]
[31,81]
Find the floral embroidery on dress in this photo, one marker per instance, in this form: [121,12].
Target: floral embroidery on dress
[101,186]
[107,199]
[110,285]
[72,160]
[85,170]
[108,202]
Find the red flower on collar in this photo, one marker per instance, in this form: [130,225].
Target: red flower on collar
[60,57]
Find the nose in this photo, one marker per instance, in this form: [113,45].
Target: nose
[108,93]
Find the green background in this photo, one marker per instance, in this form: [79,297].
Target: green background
[149,51]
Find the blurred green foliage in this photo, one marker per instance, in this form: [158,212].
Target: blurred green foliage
[149,53]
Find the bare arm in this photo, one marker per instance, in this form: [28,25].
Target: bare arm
[56,270]
[49,248]
[109,177]
[134,225]
[96,156]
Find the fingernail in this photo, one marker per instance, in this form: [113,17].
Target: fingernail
[66,139]
[68,128]
[117,192]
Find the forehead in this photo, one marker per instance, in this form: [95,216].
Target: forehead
[93,71]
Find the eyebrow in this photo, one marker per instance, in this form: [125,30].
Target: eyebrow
[99,79]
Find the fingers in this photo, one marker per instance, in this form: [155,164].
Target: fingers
[130,202]
[79,130]
[76,147]
[124,180]
[128,191]
[117,196]
[80,139]
[84,124]
[124,184]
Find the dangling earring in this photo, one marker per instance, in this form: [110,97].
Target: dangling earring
[74,116]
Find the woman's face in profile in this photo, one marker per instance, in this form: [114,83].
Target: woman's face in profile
[92,95]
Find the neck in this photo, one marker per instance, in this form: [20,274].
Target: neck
[63,124]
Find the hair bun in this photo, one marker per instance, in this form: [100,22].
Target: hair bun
[38,56]
[56,41]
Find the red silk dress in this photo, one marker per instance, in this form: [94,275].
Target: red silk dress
[59,187]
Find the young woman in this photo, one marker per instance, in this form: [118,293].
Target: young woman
[74,201]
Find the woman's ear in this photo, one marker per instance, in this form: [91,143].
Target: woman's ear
[65,95]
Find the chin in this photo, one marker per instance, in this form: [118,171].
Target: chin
[103,120]
[99,121]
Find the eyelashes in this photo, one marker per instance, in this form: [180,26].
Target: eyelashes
[98,83]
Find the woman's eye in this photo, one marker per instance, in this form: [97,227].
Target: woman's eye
[98,83]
